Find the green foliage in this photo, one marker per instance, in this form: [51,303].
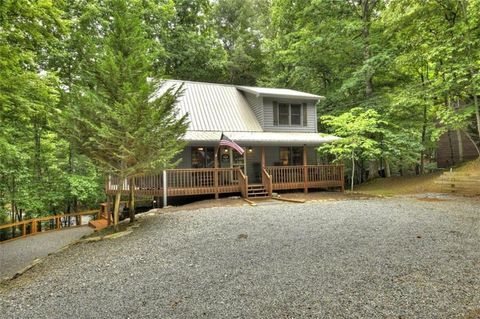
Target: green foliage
[114,121]
[239,24]
[358,130]
[365,135]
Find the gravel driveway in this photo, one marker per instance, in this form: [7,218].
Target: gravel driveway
[377,258]
[18,254]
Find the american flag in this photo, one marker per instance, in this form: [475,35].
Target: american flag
[225,141]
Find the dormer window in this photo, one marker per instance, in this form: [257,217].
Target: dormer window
[289,114]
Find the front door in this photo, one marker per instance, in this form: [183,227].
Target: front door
[231,159]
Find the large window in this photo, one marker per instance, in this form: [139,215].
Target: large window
[203,157]
[290,114]
[291,155]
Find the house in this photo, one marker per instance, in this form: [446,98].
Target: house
[276,127]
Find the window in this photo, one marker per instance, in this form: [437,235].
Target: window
[203,157]
[283,114]
[289,114]
[295,114]
[291,156]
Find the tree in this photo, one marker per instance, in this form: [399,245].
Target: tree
[193,51]
[116,123]
[239,28]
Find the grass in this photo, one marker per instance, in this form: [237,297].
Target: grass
[412,184]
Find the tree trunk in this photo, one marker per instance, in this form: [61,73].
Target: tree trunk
[116,208]
[460,145]
[372,170]
[37,151]
[477,112]
[367,7]
[353,170]
[131,200]
[424,134]
[388,173]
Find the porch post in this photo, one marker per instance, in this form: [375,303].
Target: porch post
[305,172]
[215,173]
[165,201]
[263,157]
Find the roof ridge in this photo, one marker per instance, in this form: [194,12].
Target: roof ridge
[199,82]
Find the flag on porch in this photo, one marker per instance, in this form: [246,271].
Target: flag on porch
[225,141]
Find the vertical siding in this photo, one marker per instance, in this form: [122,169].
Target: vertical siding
[268,117]
[256,104]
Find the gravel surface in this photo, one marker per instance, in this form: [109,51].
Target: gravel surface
[377,258]
[18,254]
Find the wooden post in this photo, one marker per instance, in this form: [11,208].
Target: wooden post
[305,170]
[24,229]
[165,200]
[263,157]
[34,226]
[215,173]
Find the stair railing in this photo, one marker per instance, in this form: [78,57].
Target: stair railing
[243,182]
[267,182]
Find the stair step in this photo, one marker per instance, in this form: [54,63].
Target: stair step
[259,196]
[256,187]
[257,193]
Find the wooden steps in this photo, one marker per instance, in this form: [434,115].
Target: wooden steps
[257,191]
[102,221]
[98,224]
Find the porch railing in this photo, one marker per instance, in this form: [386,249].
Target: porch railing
[309,176]
[183,182]
[191,181]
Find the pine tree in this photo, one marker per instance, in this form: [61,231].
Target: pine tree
[115,123]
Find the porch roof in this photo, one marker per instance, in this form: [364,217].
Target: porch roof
[260,138]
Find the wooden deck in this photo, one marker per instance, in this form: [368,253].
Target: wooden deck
[185,182]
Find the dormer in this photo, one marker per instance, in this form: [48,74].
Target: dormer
[282,110]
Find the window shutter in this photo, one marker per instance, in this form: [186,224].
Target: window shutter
[305,114]
[275,113]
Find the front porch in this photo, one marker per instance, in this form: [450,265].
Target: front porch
[261,170]
[216,181]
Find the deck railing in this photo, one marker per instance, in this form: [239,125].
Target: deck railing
[192,181]
[309,176]
[37,225]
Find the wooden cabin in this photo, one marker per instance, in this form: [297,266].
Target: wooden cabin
[276,127]
[448,151]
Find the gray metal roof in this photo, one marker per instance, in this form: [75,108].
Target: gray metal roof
[216,108]
[213,107]
[285,93]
